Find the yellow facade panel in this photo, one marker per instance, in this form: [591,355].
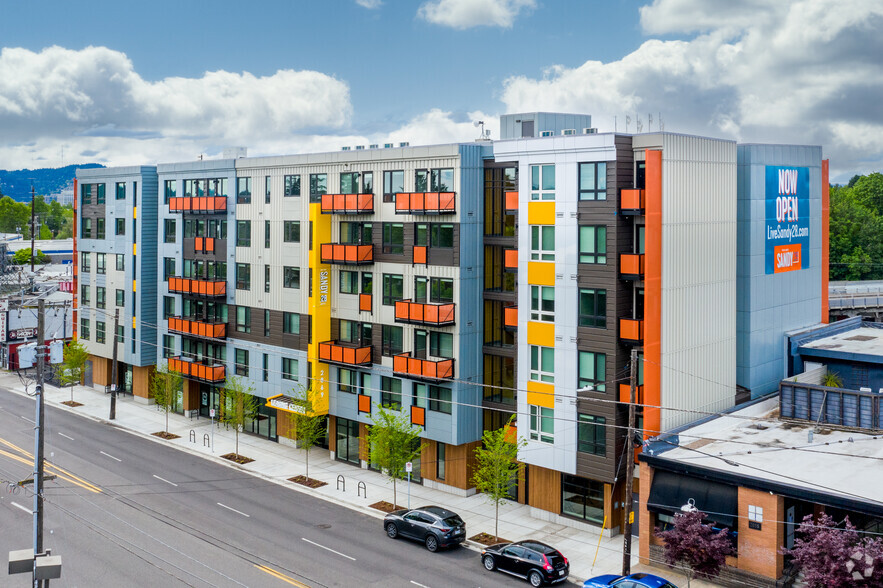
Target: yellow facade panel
[541,213]
[541,334]
[320,308]
[540,273]
[541,394]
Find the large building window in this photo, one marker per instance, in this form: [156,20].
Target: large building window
[347,380]
[120,297]
[290,277]
[591,434]
[84,329]
[120,226]
[441,344]
[84,296]
[86,228]
[121,191]
[436,180]
[499,379]
[243,190]
[318,186]
[168,190]
[349,282]
[394,238]
[542,242]
[85,262]
[100,297]
[542,182]
[168,346]
[391,393]
[582,498]
[291,231]
[243,276]
[243,233]
[592,370]
[542,363]
[100,331]
[170,230]
[349,183]
[168,267]
[436,235]
[101,263]
[440,399]
[393,289]
[592,307]
[593,244]
[120,262]
[168,306]
[243,319]
[593,181]
[99,228]
[393,183]
[542,303]
[241,367]
[292,185]
[289,368]
[290,323]
[392,340]
[542,424]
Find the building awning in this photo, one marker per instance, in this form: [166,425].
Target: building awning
[287,404]
[670,491]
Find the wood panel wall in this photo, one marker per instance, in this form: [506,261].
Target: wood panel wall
[141,377]
[545,489]
[101,370]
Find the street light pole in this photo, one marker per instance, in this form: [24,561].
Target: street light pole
[113,373]
[33,224]
[630,468]
[38,441]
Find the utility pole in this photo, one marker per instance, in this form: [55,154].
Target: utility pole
[630,468]
[38,441]
[33,224]
[113,373]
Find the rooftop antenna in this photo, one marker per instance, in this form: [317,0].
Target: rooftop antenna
[628,120]
[638,122]
[482,135]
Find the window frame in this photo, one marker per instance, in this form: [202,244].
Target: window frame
[290,323]
[291,277]
[291,231]
[240,362]
[243,319]
[119,226]
[389,296]
[243,276]
[591,434]
[243,190]
[292,185]
[598,172]
[540,416]
[539,369]
[598,318]
[390,184]
[538,186]
[287,372]
[243,233]
[390,246]
[440,399]
[597,235]
[538,250]
[597,380]
[389,397]
[317,190]
[170,230]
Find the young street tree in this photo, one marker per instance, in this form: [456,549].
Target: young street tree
[694,548]
[307,427]
[394,441]
[237,405]
[165,386]
[497,467]
[74,365]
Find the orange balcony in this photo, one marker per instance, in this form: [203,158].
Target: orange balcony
[208,288]
[204,244]
[631,331]
[418,313]
[333,352]
[198,204]
[365,302]
[212,373]
[348,203]
[510,260]
[426,203]
[510,317]
[625,393]
[197,328]
[632,201]
[631,265]
[510,203]
[405,365]
[347,254]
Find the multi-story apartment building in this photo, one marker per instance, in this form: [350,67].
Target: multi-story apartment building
[465,283]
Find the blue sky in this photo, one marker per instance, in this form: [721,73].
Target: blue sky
[123,83]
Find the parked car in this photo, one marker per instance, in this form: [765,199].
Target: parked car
[533,561]
[434,526]
[639,580]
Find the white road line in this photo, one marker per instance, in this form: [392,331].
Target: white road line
[418,584]
[234,510]
[17,505]
[328,548]
[166,481]
[29,420]
[66,437]
[110,456]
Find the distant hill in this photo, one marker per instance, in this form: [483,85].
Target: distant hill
[17,184]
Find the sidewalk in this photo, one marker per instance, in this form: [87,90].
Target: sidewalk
[278,462]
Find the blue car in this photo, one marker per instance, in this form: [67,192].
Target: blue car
[639,580]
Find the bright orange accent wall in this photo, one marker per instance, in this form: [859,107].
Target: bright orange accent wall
[653,294]
[825,238]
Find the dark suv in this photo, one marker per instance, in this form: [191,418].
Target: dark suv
[433,525]
[534,561]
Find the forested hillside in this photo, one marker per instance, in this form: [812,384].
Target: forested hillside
[857,229]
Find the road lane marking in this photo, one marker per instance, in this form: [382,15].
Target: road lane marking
[234,510]
[418,584]
[29,420]
[164,480]
[281,576]
[66,437]
[50,467]
[17,505]
[328,548]
[110,456]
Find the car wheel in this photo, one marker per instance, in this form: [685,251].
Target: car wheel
[489,563]
[431,543]
[392,531]
[535,579]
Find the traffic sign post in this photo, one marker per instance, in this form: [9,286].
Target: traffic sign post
[408,468]
[211,413]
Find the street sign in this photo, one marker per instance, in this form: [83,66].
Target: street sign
[409,467]
[211,413]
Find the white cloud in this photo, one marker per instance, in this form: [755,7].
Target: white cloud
[464,14]
[806,71]
[370,4]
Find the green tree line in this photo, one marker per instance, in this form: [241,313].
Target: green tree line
[54,221]
[856,229]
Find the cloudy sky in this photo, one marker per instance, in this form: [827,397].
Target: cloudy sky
[122,83]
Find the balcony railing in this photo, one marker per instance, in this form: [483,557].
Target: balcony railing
[631,331]
[348,203]
[197,328]
[428,369]
[204,372]
[510,260]
[632,201]
[342,254]
[334,352]
[204,244]
[426,203]
[198,204]
[419,313]
[510,318]
[208,288]
[510,203]
[631,265]
[836,406]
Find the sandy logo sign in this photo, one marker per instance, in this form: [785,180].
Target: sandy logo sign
[787,219]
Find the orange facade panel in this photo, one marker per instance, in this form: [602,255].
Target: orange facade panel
[625,392]
[204,244]
[510,317]
[420,313]
[347,203]
[200,287]
[429,369]
[347,254]
[198,328]
[197,371]
[426,203]
[632,200]
[510,259]
[365,403]
[420,253]
[198,204]
[365,302]
[631,330]
[510,202]
[333,352]
[418,416]
[631,264]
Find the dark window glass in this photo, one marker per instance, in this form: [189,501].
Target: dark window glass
[243,276]
[243,233]
[391,393]
[593,181]
[393,183]
[394,238]
[591,434]
[582,498]
[290,277]
[440,399]
[243,190]
[592,307]
[318,186]
[120,228]
[393,289]
[241,362]
[291,323]
[292,185]
[291,231]
[243,319]
[392,340]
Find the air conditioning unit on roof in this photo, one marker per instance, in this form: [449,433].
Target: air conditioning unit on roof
[590,131]
[344,148]
[388,145]
[568,132]
[359,147]
[404,144]
[546,133]
[374,146]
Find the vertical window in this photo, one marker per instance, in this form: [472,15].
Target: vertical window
[421,180]
[99,228]
[101,263]
[266,368]
[542,424]
[394,238]
[367,283]
[84,328]
[266,278]
[170,230]
[542,242]
[593,181]
[441,290]
[84,295]
[100,199]
[349,183]
[542,303]
[393,289]
[441,180]
[393,183]
[241,367]
[392,340]
[267,183]
[440,450]
[266,234]
[391,393]
[542,182]
[121,191]
[368,183]
[168,266]
[120,297]
[85,261]
[290,277]
[168,306]
[591,434]
[318,186]
[356,233]
[168,346]
[121,334]
[86,229]
[292,185]
[243,319]
[243,233]
[593,244]
[120,226]
[592,307]
[168,190]
[347,380]
[440,399]
[86,194]
[266,322]
[291,231]
[441,344]
[542,363]
[441,235]
[290,323]
[243,190]
[100,329]
[419,395]
[100,297]
[120,262]
[289,368]
[243,276]
[349,282]
[592,370]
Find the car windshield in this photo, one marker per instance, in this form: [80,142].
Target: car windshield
[453,521]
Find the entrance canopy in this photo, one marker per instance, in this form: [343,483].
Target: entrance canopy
[670,491]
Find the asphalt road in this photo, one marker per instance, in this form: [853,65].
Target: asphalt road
[128,511]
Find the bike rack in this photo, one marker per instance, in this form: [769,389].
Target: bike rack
[341,481]
[205,440]
[362,488]
[192,436]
